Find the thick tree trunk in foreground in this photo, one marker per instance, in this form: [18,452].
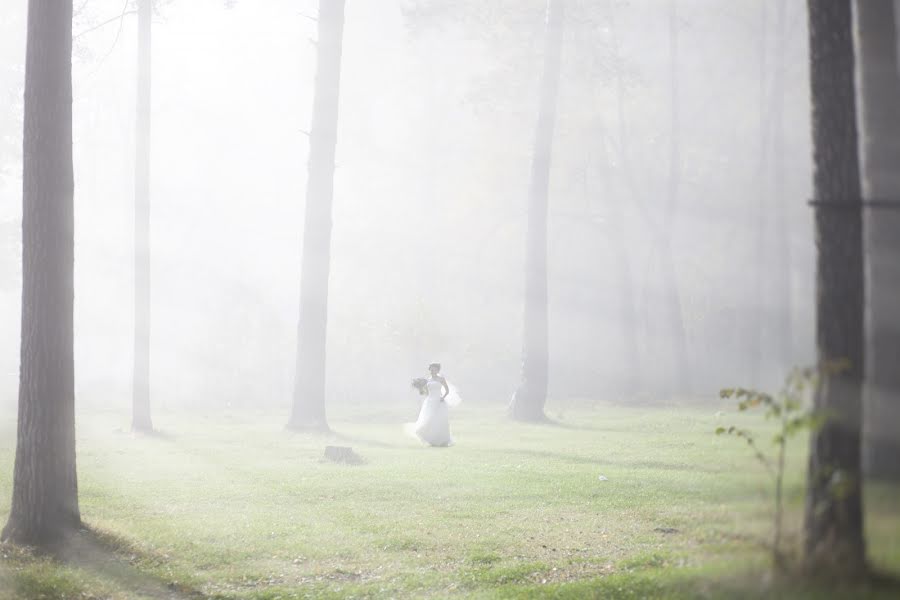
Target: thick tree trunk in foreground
[528,401]
[140,419]
[309,384]
[834,520]
[878,22]
[45,492]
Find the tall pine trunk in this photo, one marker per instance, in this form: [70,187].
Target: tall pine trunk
[877,34]
[627,306]
[309,385]
[630,361]
[531,396]
[754,352]
[834,519]
[140,419]
[45,492]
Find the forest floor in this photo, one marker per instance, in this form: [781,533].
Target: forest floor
[233,506]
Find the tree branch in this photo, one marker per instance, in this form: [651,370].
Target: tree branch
[116,40]
[120,18]
[81,8]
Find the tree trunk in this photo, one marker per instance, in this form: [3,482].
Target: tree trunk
[45,492]
[834,519]
[673,312]
[309,385]
[627,317]
[528,401]
[877,24]
[756,313]
[627,305]
[140,419]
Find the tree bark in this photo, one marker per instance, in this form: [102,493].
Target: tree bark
[835,543]
[140,420]
[309,386]
[531,396]
[879,81]
[45,492]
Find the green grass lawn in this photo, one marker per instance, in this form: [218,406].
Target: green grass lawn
[233,506]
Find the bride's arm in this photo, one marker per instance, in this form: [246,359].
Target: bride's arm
[446,387]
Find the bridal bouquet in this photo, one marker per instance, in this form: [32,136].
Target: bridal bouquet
[421,384]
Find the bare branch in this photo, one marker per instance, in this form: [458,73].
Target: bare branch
[120,18]
[81,8]
[118,35]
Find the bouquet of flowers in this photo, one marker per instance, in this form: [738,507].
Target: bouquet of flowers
[421,384]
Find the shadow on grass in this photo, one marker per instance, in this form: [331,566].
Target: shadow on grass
[154,434]
[157,434]
[551,422]
[115,561]
[886,580]
[677,584]
[352,439]
[600,461]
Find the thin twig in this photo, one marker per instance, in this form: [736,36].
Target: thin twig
[81,8]
[120,18]
[115,41]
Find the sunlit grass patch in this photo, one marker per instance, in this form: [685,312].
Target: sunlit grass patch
[617,502]
[484,558]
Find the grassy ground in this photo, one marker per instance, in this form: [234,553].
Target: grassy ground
[235,507]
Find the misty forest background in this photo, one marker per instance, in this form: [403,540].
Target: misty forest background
[435,138]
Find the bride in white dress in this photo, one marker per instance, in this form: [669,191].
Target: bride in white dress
[433,424]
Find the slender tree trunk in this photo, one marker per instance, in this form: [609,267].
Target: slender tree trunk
[140,419]
[627,307]
[627,316]
[628,366]
[674,314]
[879,78]
[779,497]
[45,492]
[834,519]
[309,385]
[757,312]
[528,401]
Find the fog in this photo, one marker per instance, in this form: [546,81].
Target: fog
[449,298]
[437,111]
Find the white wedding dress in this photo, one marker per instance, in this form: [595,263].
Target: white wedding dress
[433,424]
